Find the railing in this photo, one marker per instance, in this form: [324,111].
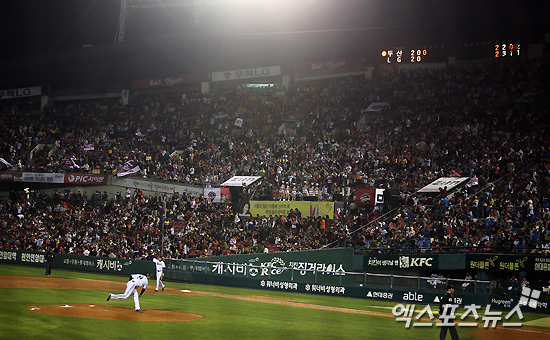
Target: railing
[451,249]
[420,283]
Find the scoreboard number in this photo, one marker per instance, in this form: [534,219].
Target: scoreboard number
[416,55]
[507,50]
[398,56]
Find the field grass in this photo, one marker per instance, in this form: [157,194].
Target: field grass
[224,318]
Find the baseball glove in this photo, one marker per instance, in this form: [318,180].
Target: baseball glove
[162,276]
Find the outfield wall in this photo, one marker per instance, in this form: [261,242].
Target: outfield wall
[536,264]
[328,272]
[104,265]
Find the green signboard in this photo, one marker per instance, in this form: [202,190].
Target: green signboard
[540,264]
[329,266]
[326,271]
[78,262]
[424,262]
[467,261]
[524,263]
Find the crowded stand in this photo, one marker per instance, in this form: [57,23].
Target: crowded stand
[487,122]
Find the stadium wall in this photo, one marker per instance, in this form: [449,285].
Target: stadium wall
[328,271]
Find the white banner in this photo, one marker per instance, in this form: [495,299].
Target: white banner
[239,181]
[379,196]
[145,185]
[213,194]
[449,182]
[247,73]
[39,177]
[22,92]
[376,107]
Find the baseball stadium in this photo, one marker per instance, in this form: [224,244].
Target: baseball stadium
[260,169]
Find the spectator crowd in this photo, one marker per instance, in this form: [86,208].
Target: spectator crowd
[486,121]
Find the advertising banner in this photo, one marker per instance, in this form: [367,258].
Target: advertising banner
[413,295]
[449,182]
[247,73]
[327,266]
[401,262]
[168,188]
[165,82]
[327,271]
[536,264]
[77,262]
[306,208]
[86,179]
[39,177]
[22,92]
[329,65]
[7,176]
[240,181]
[369,196]
[496,262]
[334,289]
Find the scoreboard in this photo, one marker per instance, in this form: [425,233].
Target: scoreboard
[404,55]
[441,53]
[507,50]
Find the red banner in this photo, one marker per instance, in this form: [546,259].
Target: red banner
[88,147]
[365,196]
[85,179]
[165,82]
[6,176]
[330,65]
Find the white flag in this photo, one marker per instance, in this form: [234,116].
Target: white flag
[130,167]
[5,163]
[473,181]
[88,147]
[69,161]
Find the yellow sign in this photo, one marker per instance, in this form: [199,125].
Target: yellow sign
[278,208]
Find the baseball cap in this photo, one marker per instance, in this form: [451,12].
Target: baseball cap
[450,286]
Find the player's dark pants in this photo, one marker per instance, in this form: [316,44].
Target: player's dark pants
[49,265]
[451,329]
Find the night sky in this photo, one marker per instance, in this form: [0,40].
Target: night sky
[33,27]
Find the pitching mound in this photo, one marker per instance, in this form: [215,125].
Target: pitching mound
[113,313]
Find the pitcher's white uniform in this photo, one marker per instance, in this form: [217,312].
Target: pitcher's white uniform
[137,281]
[159,263]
